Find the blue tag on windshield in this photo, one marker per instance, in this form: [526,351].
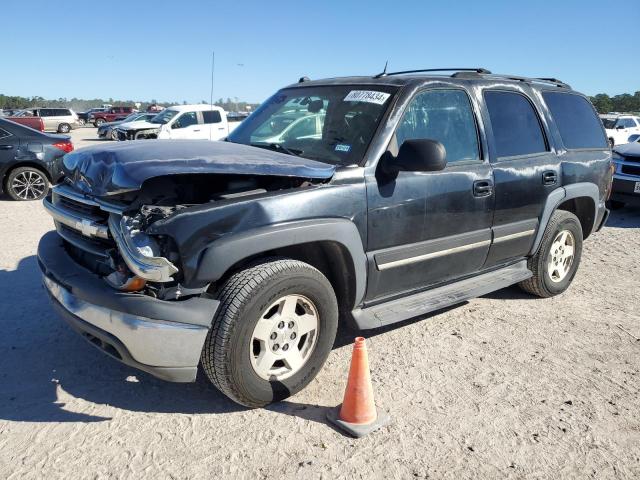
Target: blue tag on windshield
[341,147]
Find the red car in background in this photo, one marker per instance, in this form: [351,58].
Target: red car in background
[33,122]
[111,115]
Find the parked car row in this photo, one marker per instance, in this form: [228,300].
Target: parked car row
[196,122]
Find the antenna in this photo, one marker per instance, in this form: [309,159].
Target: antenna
[384,72]
[213,63]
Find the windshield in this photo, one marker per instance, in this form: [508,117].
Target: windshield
[333,124]
[164,117]
[609,123]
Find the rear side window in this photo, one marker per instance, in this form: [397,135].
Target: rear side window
[515,124]
[4,133]
[576,120]
[211,116]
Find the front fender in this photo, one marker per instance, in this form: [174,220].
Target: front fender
[225,252]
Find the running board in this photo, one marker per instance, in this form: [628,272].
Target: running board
[438,298]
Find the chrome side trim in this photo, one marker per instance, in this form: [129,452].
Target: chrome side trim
[70,219]
[427,256]
[150,342]
[513,236]
[138,250]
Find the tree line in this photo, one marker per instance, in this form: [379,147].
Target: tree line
[619,103]
[80,105]
[604,103]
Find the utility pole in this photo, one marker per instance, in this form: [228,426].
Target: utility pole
[213,63]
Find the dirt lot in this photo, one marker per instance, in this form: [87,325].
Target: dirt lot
[502,386]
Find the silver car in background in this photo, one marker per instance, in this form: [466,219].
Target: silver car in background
[61,120]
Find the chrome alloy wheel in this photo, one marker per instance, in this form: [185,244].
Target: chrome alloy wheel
[561,256]
[29,185]
[284,338]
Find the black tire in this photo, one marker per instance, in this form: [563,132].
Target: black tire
[612,142]
[98,121]
[82,122]
[615,205]
[226,357]
[64,128]
[541,283]
[114,134]
[12,184]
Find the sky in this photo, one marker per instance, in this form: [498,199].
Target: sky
[143,50]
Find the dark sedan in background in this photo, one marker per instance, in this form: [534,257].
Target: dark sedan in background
[30,160]
[107,130]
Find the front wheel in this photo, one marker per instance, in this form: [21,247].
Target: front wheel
[98,121]
[274,329]
[557,259]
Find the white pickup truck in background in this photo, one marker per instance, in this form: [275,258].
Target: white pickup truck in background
[201,121]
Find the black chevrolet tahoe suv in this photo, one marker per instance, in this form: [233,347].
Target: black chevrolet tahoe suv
[369,200]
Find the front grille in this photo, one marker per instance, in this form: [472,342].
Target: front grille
[87,249]
[632,159]
[83,209]
[630,169]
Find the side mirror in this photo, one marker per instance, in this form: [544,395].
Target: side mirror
[620,127]
[421,155]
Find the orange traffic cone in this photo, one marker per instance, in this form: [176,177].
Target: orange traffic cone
[358,414]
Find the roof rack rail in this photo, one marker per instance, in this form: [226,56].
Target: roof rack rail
[426,70]
[552,81]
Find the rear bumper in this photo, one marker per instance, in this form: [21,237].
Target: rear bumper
[163,338]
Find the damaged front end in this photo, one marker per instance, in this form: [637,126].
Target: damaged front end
[108,240]
[113,199]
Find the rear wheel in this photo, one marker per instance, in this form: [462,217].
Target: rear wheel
[64,128]
[273,331]
[27,183]
[556,262]
[114,134]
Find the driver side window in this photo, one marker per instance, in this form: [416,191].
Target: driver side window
[445,116]
[185,120]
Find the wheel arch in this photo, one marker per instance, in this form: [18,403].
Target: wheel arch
[581,199]
[333,246]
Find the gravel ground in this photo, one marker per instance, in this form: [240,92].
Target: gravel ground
[504,386]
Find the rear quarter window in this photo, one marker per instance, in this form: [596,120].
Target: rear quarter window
[576,120]
[515,124]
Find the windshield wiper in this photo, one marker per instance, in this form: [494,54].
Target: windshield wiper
[279,148]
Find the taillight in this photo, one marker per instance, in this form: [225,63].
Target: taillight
[66,147]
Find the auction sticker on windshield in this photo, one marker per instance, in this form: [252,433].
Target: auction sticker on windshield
[368,96]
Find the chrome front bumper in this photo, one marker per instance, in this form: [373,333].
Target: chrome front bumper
[164,338]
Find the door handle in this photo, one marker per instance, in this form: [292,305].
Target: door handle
[482,188]
[6,147]
[549,178]
[197,130]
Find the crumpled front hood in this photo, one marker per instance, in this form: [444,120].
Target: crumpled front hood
[108,170]
[628,149]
